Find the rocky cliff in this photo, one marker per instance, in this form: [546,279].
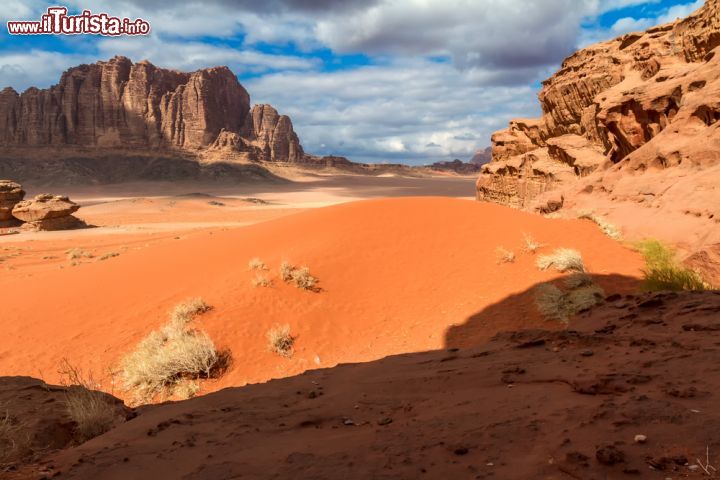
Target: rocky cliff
[138,105]
[643,102]
[630,130]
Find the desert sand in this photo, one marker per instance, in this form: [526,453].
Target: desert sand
[628,392]
[396,275]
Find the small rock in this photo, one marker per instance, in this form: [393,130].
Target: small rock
[385,421]
[587,353]
[461,451]
[609,455]
[640,439]
[347,421]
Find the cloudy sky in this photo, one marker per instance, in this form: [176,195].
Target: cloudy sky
[412,81]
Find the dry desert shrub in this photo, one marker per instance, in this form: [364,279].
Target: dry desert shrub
[504,255]
[663,271]
[78,253]
[171,354]
[256,264]
[281,341]
[186,390]
[261,281]
[556,304]
[577,280]
[301,276]
[606,227]
[109,255]
[87,407]
[562,260]
[14,439]
[531,245]
[286,271]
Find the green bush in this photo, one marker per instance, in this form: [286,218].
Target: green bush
[663,272]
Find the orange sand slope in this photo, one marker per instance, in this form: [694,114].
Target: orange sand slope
[396,275]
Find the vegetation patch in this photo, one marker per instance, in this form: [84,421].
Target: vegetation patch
[281,341]
[300,276]
[89,408]
[663,272]
[560,305]
[174,353]
[504,255]
[256,264]
[562,260]
[261,281]
[606,227]
[531,245]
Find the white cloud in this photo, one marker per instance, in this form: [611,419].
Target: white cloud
[195,55]
[392,112]
[405,107]
[35,68]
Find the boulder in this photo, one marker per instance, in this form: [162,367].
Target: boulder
[48,212]
[11,193]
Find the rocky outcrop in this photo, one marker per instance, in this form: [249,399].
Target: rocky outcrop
[120,104]
[644,102]
[482,156]
[48,212]
[456,166]
[43,212]
[11,194]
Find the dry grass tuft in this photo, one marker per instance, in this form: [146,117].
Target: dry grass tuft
[281,341]
[301,276]
[170,355]
[577,280]
[109,255]
[559,305]
[78,254]
[504,255]
[87,407]
[186,390]
[562,260]
[186,311]
[286,270]
[606,227]
[15,439]
[261,281]
[531,245]
[256,264]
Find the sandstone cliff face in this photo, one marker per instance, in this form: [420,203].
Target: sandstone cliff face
[121,104]
[630,130]
[642,101]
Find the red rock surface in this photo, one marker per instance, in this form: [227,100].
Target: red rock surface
[629,128]
[11,193]
[531,404]
[121,104]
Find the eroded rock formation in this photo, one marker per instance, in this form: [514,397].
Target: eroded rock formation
[642,102]
[48,212]
[43,212]
[11,193]
[138,105]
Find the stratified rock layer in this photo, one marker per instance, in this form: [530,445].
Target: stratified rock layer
[11,194]
[642,102]
[121,104]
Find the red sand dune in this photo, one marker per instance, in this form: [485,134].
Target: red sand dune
[396,275]
[534,404]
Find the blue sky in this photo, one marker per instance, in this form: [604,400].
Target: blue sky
[412,81]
